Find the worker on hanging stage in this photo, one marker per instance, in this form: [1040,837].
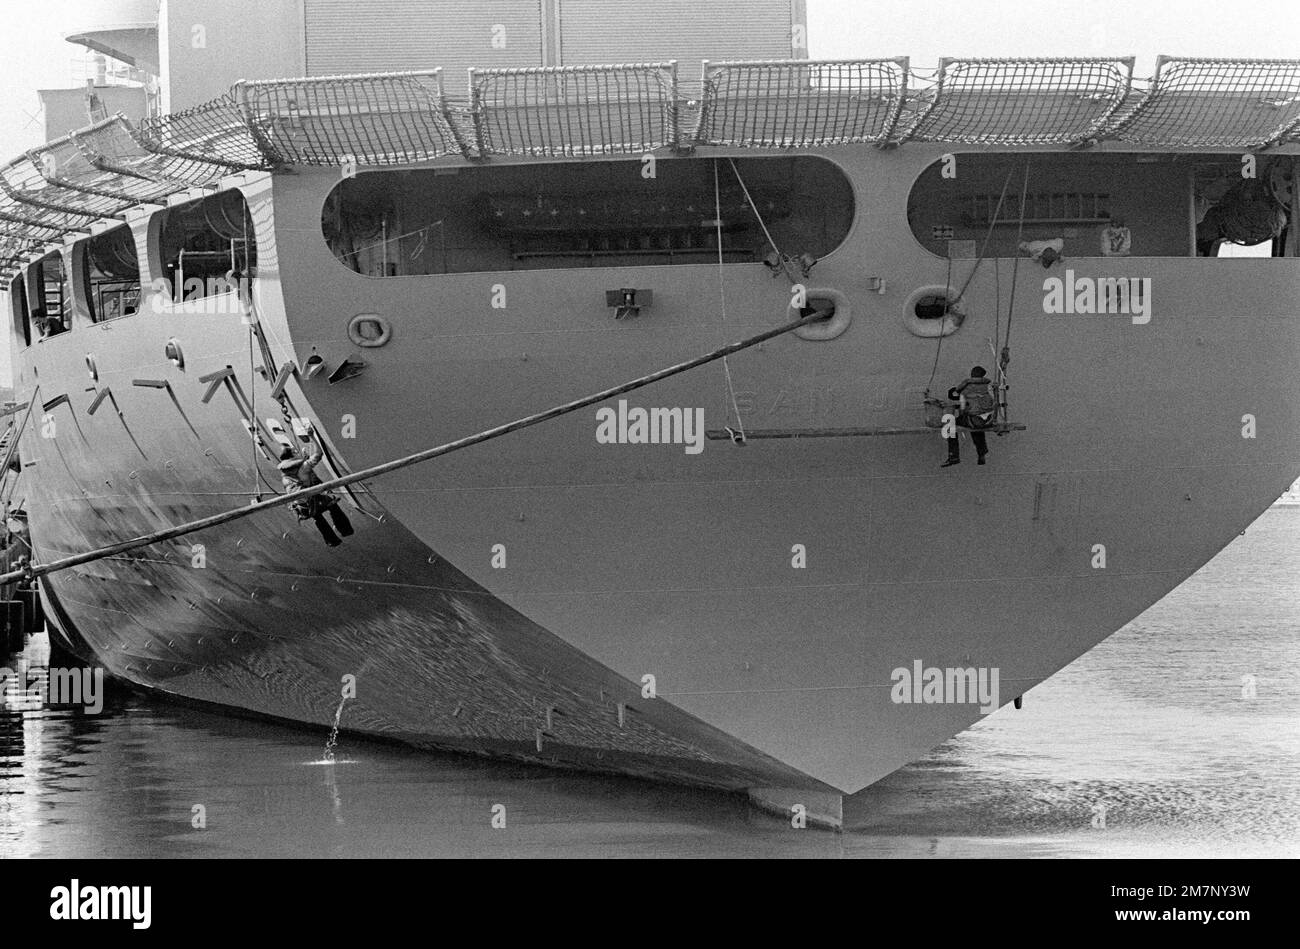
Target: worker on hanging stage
[979,406]
[298,472]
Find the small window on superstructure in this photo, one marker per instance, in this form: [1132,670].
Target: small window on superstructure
[52,313]
[207,248]
[1104,204]
[562,215]
[112,274]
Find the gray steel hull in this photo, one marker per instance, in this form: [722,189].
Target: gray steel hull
[631,561]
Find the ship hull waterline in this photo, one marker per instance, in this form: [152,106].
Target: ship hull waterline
[628,564]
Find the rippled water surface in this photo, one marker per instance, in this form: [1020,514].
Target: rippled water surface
[1148,745]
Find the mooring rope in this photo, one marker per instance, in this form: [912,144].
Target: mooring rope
[180,530]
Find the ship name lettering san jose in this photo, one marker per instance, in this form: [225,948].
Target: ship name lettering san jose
[1128,296]
[654,426]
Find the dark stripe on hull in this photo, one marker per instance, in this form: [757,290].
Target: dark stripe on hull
[438,661]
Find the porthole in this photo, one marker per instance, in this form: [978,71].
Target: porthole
[369,330]
[841,315]
[934,311]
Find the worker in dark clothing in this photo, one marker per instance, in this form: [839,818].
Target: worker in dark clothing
[979,406]
[297,472]
[41,320]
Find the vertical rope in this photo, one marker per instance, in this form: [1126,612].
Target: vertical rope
[947,292]
[948,299]
[997,335]
[766,233]
[1020,233]
[997,301]
[988,235]
[252,409]
[252,373]
[1004,357]
[722,293]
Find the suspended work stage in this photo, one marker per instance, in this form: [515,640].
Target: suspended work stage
[62,188]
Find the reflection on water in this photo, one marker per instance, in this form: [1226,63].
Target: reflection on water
[1152,744]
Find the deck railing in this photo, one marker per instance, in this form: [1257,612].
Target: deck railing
[579,111]
[383,119]
[574,111]
[800,103]
[1020,101]
[1216,103]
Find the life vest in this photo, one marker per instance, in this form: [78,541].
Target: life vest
[304,508]
[979,396]
[291,477]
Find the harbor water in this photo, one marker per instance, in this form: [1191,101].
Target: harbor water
[1178,736]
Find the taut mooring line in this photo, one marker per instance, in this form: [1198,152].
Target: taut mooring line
[39,570]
